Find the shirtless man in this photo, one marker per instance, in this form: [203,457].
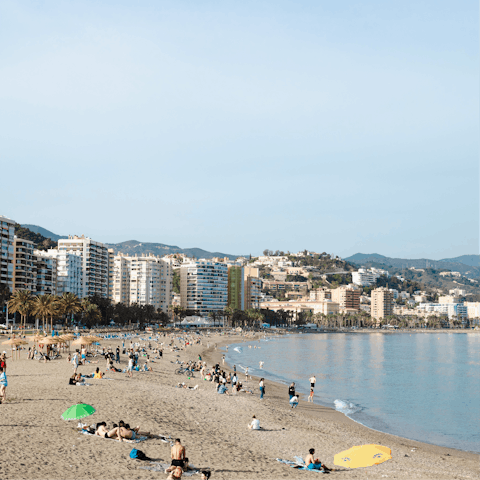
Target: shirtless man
[102,430]
[314,463]
[178,456]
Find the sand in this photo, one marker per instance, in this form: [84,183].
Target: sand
[37,444]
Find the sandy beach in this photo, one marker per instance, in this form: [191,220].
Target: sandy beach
[38,444]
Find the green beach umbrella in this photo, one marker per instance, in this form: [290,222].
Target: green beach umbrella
[76,412]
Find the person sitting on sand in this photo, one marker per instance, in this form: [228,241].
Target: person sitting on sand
[98,373]
[72,380]
[314,463]
[294,401]
[178,456]
[221,389]
[254,424]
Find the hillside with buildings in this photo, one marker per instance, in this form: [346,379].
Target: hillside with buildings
[150,282]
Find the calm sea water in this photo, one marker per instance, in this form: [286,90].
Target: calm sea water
[421,386]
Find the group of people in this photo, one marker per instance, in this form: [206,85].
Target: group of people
[293,396]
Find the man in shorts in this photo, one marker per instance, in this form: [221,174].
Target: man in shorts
[130,366]
[313,380]
[178,456]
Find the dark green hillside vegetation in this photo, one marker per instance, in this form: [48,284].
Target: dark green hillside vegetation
[41,242]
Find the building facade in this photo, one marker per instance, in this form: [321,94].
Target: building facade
[144,280]
[236,288]
[204,286]
[23,269]
[347,297]
[452,310]
[7,251]
[69,271]
[381,303]
[94,263]
[45,273]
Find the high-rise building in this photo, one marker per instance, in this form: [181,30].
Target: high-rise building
[381,303]
[236,288]
[204,286]
[253,292]
[23,270]
[94,263]
[44,273]
[150,281]
[69,271]
[145,280]
[7,253]
[346,297]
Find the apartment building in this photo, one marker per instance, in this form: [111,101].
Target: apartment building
[366,277]
[23,265]
[449,299]
[381,303]
[458,310]
[94,263]
[277,286]
[321,294]
[145,280]
[326,307]
[7,251]
[204,286]
[69,271]
[151,281]
[44,273]
[253,291]
[473,309]
[347,297]
[236,288]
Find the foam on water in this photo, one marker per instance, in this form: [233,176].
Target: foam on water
[238,349]
[346,407]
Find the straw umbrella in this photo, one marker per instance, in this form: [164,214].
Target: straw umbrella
[14,342]
[67,338]
[49,341]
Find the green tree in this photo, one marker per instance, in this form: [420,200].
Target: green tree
[45,306]
[69,304]
[21,302]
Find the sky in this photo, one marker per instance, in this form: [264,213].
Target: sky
[236,127]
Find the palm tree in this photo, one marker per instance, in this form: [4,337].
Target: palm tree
[21,302]
[92,313]
[69,304]
[44,306]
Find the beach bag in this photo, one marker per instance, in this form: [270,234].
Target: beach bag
[138,455]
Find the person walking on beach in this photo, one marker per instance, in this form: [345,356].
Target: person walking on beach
[246,374]
[261,385]
[3,385]
[130,366]
[117,359]
[223,359]
[75,362]
[291,390]
[310,397]
[313,380]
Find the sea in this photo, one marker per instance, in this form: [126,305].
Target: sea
[420,386]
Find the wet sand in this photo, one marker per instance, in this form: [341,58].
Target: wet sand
[38,444]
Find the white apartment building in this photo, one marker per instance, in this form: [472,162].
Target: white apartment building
[204,286]
[458,310]
[457,292]
[94,263]
[7,232]
[69,271]
[473,309]
[145,280]
[366,277]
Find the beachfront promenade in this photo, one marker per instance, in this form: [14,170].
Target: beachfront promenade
[37,443]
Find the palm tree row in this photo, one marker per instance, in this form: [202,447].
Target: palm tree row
[47,306]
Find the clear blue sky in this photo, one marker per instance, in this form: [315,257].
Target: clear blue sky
[238,126]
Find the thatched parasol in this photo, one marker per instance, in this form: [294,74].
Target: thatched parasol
[83,341]
[49,340]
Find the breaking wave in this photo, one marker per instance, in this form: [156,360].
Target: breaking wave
[346,407]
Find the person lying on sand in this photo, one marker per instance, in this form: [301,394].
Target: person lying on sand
[314,463]
[102,430]
[127,433]
[175,474]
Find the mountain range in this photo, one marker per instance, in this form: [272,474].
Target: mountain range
[134,247]
[465,264]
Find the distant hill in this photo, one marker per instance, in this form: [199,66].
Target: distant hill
[43,231]
[471,260]
[358,257]
[453,264]
[41,242]
[132,247]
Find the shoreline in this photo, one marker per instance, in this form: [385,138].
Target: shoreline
[215,357]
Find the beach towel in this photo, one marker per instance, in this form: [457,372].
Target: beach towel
[161,467]
[137,440]
[298,464]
